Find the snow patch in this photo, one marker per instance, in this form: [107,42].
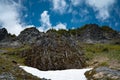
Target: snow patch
[70,74]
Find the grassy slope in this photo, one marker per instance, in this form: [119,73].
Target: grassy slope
[102,55]
[7,64]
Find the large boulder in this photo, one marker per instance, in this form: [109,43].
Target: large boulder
[54,52]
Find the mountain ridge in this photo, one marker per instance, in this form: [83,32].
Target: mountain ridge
[88,33]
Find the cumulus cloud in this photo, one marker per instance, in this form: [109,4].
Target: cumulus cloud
[102,7]
[60,26]
[59,6]
[46,24]
[9,16]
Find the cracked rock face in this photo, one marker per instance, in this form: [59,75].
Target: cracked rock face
[53,52]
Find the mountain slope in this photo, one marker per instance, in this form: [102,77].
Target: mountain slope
[58,50]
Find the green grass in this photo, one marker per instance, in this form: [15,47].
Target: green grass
[16,49]
[13,54]
[99,51]
[7,65]
[114,55]
[112,51]
[104,64]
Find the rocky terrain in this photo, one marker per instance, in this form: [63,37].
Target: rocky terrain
[92,33]
[58,50]
[103,73]
[51,50]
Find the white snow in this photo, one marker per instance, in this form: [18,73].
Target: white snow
[70,74]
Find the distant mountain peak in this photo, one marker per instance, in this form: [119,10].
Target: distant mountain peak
[3,33]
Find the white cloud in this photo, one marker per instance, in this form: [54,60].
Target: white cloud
[9,16]
[60,26]
[102,7]
[28,26]
[76,2]
[103,14]
[46,24]
[59,6]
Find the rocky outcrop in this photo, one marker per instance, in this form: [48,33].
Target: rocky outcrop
[91,33]
[29,35]
[54,52]
[3,34]
[109,33]
[51,50]
[103,73]
[8,40]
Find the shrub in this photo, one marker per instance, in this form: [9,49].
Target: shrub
[103,64]
[105,50]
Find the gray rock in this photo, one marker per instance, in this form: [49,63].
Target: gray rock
[92,33]
[7,76]
[103,73]
[3,33]
[13,44]
[54,52]
[29,35]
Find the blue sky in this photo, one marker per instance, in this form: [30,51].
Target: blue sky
[16,15]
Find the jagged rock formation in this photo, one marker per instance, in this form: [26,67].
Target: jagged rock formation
[8,40]
[91,33]
[109,33]
[29,35]
[54,52]
[3,34]
[51,50]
